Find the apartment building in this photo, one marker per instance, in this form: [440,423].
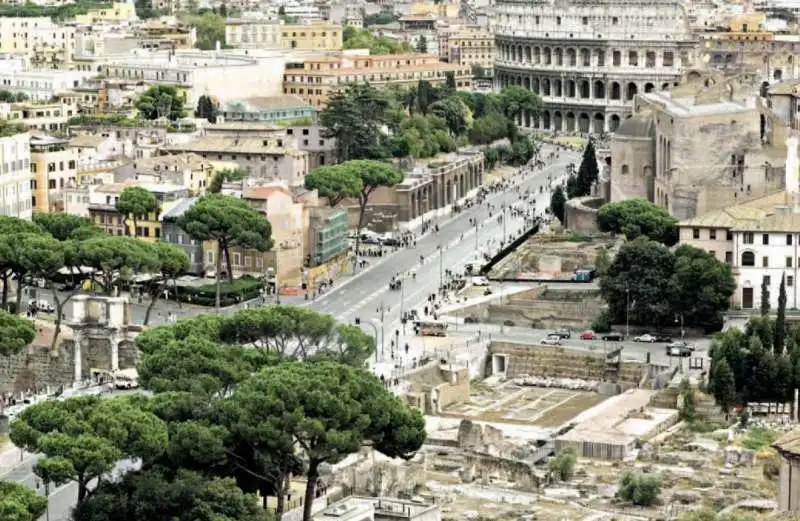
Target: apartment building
[268,109]
[38,85]
[47,44]
[247,33]
[327,235]
[174,234]
[118,12]
[51,117]
[316,79]
[312,36]
[313,140]
[189,170]
[15,178]
[467,47]
[54,167]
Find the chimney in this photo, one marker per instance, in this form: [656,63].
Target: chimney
[792,166]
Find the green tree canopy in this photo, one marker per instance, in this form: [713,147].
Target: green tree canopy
[80,439]
[588,172]
[334,183]
[210,30]
[66,226]
[19,503]
[161,101]
[516,100]
[558,204]
[638,217]
[172,262]
[329,410]
[356,117]
[136,202]
[702,286]
[16,334]
[156,496]
[230,222]
[640,489]
[355,38]
[117,258]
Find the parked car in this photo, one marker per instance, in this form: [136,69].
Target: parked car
[480,281]
[648,338]
[551,340]
[588,335]
[679,349]
[681,343]
[613,337]
[663,339]
[42,306]
[560,333]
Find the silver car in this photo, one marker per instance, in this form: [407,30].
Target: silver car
[551,340]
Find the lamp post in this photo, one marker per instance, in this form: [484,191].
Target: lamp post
[375,330]
[382,311]
[627,310]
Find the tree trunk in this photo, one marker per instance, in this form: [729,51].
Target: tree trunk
[280,499]
[362,207]
[82,490]
[151,305]
[19,293]
[134,227]
[311,487]
[5,290]
[59,310]
[228,262]
[219,279]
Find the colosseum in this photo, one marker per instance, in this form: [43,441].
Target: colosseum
[587,59]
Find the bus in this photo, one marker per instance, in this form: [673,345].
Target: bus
[430,328]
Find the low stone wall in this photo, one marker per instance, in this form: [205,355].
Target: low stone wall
[561,362]
[581,213]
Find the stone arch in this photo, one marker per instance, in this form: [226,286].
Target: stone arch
[527,54]
[547,56]
[569,122]
[693,76]
[537,55]
[572,57]
[599,123]
[569,91]
[585,90]
[665,86]
[777,74]
[649,87]
[526,82]
[546,120]
[535,85]
[545,87]
[709,82]
[558,56]
[519,53]
[616,90]
[613,123]
[630,91]
[748,259]
[584,123]
[558,121]
[527,119]
[557,88]
[586,58]
[535,120]
[599,89]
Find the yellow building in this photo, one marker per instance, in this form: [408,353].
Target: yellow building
[316,79]
[45,43]
[467,47]
[447,9]
[103,211]
[118,12]
[749,26]
[54,169]
[51,117]
[246,33]
[317,35]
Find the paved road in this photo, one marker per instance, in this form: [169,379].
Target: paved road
[366,294]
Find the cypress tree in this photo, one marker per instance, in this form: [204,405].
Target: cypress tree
[780,320]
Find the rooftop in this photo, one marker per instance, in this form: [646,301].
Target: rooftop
[173,162]
[179,208]
[233,145]
[87,141]
[752,215]
[274,102]
[689,107]
[238,126]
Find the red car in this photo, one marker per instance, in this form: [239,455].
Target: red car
[588,335]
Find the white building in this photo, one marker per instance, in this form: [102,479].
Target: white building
[249,33]
[226,76]
[15,177]
[28,36]
[760,239]
[38,85]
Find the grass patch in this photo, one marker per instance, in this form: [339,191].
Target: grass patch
[575,237]
[757,439]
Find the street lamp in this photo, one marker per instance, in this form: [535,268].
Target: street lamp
[375,330]
[382,310]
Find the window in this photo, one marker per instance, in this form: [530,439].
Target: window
[633,58]
[788,239]
[789,281]
[624,169]
[237,259]
[712,234]
[729,257]
[765,262]
[766,280]
[748,238]
[765,239]
[51,184]
[695,233]
[729,235]
[788,262]
[748,258]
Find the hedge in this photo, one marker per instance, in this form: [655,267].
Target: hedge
[240,290]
